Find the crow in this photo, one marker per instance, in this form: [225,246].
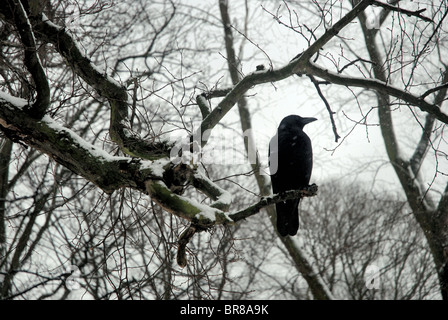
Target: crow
[290,165]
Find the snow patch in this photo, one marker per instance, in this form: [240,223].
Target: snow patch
[94,151]
[225,196]
[155,166]
[15,101]
[48,22]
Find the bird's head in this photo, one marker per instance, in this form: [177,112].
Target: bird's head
[294,121]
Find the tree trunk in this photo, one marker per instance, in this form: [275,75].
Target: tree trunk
[432,220]
[302,263]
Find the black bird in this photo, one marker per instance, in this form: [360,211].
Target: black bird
[290,164]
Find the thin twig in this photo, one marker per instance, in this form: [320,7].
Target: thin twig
[443,86]
[327,105]
[353,62]
[247,38]
[409,13]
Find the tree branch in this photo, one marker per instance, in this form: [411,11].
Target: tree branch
[433,224]
[301,261]
[409,13]
[309,191]
[205,216]
[222,198]
[379,86]
[31,59]
[116,94]
[69,149]
[327,105]
[443,86]
[423,144]
[331,32]
[295,66]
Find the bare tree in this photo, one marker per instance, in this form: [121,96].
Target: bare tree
[431,214]
[357,234]
[81,85]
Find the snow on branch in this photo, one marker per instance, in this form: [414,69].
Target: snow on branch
[203,217]
[222,198]
[129,142]
[184,207]
[32,61]
[72,151]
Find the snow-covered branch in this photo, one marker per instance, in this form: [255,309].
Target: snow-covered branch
[129,142]
[221,198]
[69,149]
[31,59]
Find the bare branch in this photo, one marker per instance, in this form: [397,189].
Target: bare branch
[409,13]
[32,60]
[425,139]
[327,105]
[332,32]
[184,239]
[295,66]
[205,110]
[432,90]
[309,191]
[380,87]
[352,63]
[72,151]
[256,45]
[129,142]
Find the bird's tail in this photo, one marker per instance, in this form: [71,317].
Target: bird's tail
[288,217]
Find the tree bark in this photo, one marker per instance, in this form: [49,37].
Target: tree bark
[433,221]
[5,158]
[302,263]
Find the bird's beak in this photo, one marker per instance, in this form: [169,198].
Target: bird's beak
[308,120]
